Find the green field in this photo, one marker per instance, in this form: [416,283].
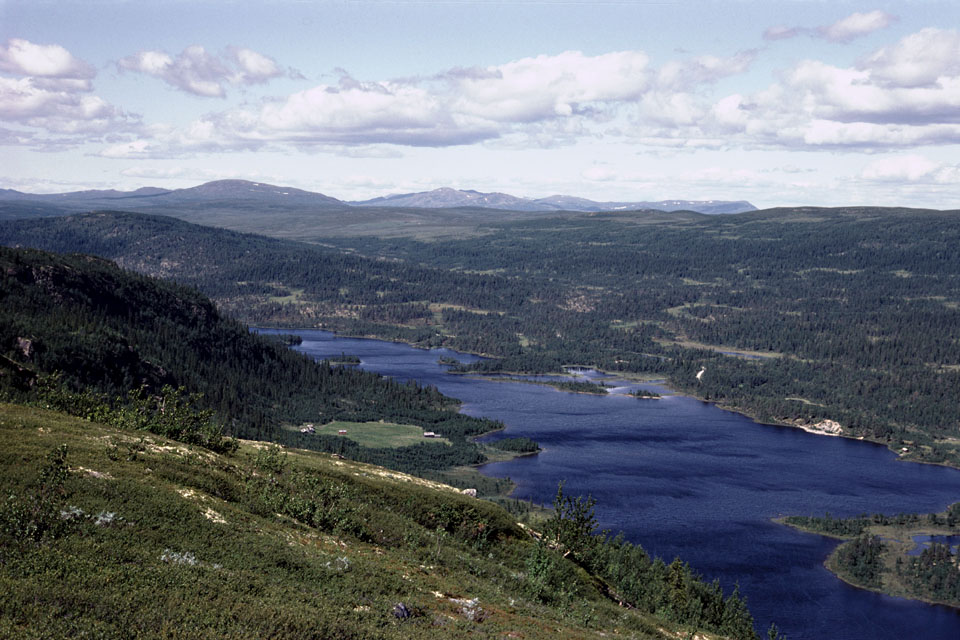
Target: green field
[379,434]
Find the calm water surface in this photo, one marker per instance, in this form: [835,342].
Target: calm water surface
[684,478]
[924,541]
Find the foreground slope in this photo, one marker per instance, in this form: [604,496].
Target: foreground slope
[113,533]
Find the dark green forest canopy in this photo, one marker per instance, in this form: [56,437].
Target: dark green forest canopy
[855,311]
[112,331]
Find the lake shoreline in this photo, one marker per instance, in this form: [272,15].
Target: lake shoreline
[896,548]
[666,382]
[596,447]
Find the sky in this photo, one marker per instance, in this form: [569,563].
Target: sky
[779,102]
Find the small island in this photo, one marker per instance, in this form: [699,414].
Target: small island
[644,394]
[344,360]
[577,386]
[906,555]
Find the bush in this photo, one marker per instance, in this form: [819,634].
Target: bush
[38,514]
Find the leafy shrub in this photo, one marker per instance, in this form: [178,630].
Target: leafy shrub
[37,515]
[271,459]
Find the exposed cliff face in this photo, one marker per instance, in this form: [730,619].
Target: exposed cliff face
[824,427]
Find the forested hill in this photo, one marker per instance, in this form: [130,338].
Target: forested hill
[112,331]
[268,282]
[800,316]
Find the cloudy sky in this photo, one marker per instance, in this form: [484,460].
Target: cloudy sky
[780,102]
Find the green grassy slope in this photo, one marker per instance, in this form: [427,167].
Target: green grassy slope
[135,536]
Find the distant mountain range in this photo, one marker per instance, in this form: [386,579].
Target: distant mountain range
[221,193]
[446,197]
[217,191]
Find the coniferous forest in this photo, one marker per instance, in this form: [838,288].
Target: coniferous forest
[906,554]
[797,315]
[136,363]
[80,332]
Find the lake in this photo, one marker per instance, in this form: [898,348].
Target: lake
[685,478]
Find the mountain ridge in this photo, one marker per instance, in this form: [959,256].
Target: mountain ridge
[445,197]
[224,191]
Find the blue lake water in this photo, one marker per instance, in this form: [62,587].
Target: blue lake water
[924,541]
[684,478]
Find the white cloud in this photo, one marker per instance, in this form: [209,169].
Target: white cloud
[685,74]
[201,73]
[922,59]
[911,168]
[904,95]
[782,32]
[856,25]
[252,67]
[133,149]
[24,58]
[60,112]
[545,87]
[887,101]
[51,94]
[361,114]
[536,101]
[845,30]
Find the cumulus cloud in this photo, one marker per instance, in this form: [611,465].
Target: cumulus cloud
[856,25]
[201,73]
[44,61]
[928,58]
[910,168]
[544,87]
[51,93]
[901,96]
[541,100]
[22,101]
[686,74]
[845,30]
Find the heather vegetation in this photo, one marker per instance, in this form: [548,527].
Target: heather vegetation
[111,532]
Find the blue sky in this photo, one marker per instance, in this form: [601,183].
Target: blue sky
[782,102]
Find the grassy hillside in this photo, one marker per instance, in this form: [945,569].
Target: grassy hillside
[110,533]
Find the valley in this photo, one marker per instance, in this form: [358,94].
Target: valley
[801,317]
